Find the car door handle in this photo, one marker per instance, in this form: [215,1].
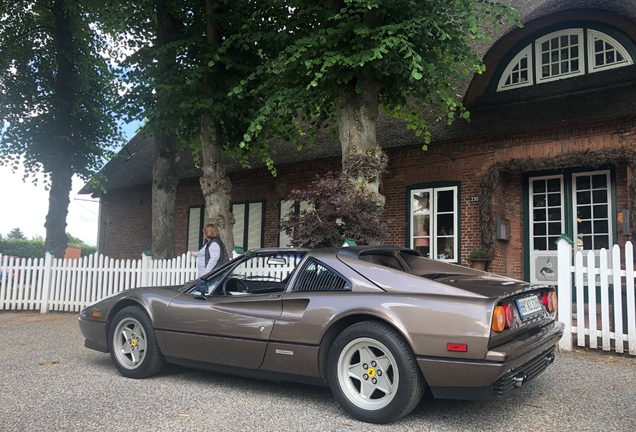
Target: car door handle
[275,296]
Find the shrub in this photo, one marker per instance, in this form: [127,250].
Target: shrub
[478,254]
[339,208]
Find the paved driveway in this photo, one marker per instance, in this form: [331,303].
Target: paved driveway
[50,382]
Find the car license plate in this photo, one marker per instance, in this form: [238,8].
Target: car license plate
[528,305]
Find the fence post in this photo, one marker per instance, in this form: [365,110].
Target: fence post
[564,289]
[46,285]
[146,263]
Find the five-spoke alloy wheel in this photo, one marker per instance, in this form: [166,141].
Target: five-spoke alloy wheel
[133,346]
[373,373]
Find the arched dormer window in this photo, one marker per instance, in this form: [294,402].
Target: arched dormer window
[564,54]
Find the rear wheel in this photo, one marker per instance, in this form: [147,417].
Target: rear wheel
[133,346]
[373,373]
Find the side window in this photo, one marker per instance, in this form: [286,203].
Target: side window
[316,277]
[267,268]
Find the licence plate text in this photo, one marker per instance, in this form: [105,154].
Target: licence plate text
[528,305]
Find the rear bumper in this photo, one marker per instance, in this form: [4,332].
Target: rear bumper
[487,379]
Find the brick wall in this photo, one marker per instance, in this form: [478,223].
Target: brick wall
[125,227]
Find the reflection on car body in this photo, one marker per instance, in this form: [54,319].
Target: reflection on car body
[377,324]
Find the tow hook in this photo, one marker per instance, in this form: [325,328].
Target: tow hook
[520,380]
[549,359]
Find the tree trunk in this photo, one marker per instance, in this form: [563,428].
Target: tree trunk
[164,195]
[215,184]
[357,119]
[216,188]
[62,141]
[61,177]
[164,173]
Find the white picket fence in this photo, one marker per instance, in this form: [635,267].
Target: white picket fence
[610,319]
[50,284]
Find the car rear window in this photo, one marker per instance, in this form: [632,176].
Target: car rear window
[314,276]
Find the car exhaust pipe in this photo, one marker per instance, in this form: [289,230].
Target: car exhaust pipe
[520,380]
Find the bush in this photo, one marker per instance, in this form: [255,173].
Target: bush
[35,248]
[479,254]
[22,248]
[339,208]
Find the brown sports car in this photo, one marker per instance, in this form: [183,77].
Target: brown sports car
[377,324]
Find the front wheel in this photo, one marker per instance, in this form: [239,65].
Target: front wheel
[373,373]
[133,347]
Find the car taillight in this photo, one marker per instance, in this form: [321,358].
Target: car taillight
[499,319]
[509,314]
[549,300]
[503,317]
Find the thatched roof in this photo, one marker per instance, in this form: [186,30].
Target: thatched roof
[573,101]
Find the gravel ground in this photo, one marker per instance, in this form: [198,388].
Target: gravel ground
[50,382]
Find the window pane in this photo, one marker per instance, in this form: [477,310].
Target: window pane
[600,196]
[574,39]
[538,200]
[540,243]
[445,201]
[554,228]
[583,197]
[600,211]
[601,227]
[445,224]
[601,241]
[554,200]
[238,210]
[445,248]
[582,182]
[421,202]
[575,65]
[194,228]
[420,226]
[584,227]
[584,212]
[554,185]
[255,226]
[539,229]
[599,181]
[539,215]
[598,45]
[552,243]
[538,186]
[599,59]
[554,214]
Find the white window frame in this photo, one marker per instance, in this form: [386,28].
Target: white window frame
[526,52]
[610,206]
[239,230]
[285,206]
[550,255]
[432,229]
[558,34]
[591,55]
[587,58]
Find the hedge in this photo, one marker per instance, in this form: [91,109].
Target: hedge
[33,248]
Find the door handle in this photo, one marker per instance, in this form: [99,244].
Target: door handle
[275,296]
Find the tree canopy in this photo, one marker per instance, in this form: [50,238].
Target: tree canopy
[57,95]
[411,53]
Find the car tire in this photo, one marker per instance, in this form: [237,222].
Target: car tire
[133,345]
[373,374]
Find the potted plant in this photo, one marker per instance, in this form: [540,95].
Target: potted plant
[479,259]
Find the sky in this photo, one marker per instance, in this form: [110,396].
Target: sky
[24,206]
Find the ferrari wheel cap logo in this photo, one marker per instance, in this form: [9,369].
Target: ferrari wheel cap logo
[371,372]
[133,342]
